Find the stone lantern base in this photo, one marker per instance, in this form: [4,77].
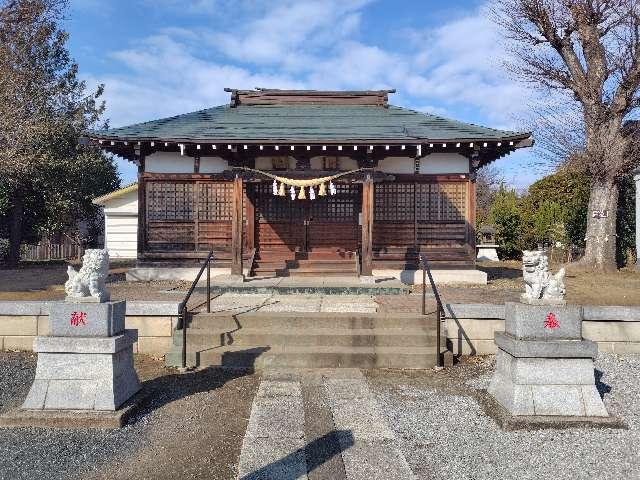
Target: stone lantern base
[83,373]
[87,361]
[487,253]
[543,366]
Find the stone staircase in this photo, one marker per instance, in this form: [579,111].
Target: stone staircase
[308,340]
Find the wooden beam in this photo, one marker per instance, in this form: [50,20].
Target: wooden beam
[236,227]
[367,227]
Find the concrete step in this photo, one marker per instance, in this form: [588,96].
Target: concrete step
[297,272]
[308,357]
[384,337]
[305,320]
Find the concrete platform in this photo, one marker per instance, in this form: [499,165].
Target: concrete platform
[381,276]
[71,419]
[467,276]
[509,422]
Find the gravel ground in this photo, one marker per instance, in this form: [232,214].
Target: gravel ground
[446,435]
[192,427]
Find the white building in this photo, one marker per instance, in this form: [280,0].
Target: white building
[121,222]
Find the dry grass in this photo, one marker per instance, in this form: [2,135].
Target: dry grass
[44,282]
[586,288]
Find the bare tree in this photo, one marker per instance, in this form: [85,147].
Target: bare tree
[590,51]
[488,182]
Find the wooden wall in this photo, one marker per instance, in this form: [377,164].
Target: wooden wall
[411,214]
[188,216]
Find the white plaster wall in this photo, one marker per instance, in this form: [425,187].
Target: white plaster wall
[121,235]
[213,165]
[397,165]
[168,162]
[440,163]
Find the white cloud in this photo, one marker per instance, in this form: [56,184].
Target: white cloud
[165,78]
[289,31]
[453,70]
[314,44]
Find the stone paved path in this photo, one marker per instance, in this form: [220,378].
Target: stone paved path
[238,302]
[319,425]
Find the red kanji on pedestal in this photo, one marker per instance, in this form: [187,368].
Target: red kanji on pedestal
[78,318]
[551,321]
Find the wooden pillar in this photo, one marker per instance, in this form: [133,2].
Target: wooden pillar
[142,211]
[251,217]
[196,216]
[471,216]
[236,227]
[367,227]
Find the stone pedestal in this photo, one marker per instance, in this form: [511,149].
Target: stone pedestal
[487,253]
[87,361]
[543,366]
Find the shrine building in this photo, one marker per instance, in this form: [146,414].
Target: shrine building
[308,183]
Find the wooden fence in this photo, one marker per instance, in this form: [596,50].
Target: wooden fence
[50,251]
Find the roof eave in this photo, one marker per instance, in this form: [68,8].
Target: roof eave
[524,140]
[115,194]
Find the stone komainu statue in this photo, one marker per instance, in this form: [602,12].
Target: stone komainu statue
[89,281]
[540,285]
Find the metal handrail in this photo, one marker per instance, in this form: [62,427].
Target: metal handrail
[182,308]
[426,270]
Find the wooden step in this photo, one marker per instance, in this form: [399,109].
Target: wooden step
[316,273]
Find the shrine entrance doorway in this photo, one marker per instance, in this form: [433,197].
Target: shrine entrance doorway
[326,224]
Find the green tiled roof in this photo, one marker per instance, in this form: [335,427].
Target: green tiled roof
[306,123]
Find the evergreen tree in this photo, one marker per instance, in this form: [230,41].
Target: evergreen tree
[505,215]
[47,176]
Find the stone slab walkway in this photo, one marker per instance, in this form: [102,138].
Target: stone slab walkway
[307,285]
[245,302]
[317,425]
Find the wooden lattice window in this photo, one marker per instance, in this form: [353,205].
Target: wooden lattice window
[441,202]
[453,198]
[426,202]
[273,208]
[168,201]
[394,202]
[344,206]
[215,201]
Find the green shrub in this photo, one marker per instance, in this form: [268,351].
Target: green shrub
[506,216]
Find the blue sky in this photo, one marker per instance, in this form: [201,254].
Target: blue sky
[164,57]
